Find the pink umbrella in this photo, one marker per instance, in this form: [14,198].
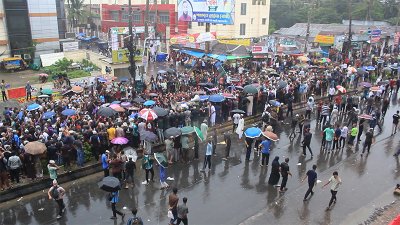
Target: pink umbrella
[148,114]
[114,106]
[341,88]
[365,116]
[119,109]
[120,141]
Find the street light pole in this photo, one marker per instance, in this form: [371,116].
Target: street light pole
[131,46]
[308,28]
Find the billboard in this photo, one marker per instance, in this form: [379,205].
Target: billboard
[121,56]
[193,38]
[207,11]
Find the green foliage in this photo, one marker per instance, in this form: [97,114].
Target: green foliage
[78,74]
[87,63]
[87,150]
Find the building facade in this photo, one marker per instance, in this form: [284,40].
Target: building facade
[29,26]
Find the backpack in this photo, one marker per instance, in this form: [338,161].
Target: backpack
[55,194]
[134,220]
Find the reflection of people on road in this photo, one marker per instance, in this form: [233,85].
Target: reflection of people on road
[186,11]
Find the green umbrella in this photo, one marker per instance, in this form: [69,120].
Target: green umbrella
[250,89]
[161,160]
[199,133]
[47,91]
[187,130]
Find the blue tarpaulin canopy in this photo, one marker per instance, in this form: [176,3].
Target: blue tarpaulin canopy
[193,53]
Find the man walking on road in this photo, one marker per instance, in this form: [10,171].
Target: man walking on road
[312,181]
[227,139]
[307,142]
[28,89]
[369,138]
[396,118]
[3,90]
[207,158]
[104,163]
[265,145]
[285,172]
[114,200]
[57,193]
[173,200]
[336,181]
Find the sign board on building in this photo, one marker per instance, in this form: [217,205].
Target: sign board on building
[259,49]
[193,38]
[325,39]
[121,56]
[396,39]
[70,46]
[375,36]
[206,11]
[125,30]
[244,42]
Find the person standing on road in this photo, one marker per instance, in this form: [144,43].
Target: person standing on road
[353,134]
[207,158]
[114,200]
[28,89]
[147,164]
[274,176]
[369,138]
[104,163]
[14,164]
[204,129]
[3,90]
[265,145]
[182,213]
[227,139]
[335,181]
[307,142]
[329,132]
[240,127]
[173,200]
[396,118]
[343,135]
[130,168]
[285,172]
[56,192]
[249,142]
[312,181]
[235,118]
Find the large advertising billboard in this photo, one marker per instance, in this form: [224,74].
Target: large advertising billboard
[207,11]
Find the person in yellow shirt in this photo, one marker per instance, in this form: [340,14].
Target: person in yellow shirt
[111,132]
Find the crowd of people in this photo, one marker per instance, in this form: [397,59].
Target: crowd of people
[87,130]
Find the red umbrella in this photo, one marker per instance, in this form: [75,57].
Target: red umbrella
[270,135]
[365,116]
[148,114]
[341,89]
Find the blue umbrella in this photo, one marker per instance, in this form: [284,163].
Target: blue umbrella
[370,68]
[216,98]
[115,102]
[134,115]
[48,115]
[149,103]
[204,97]
[68,112]
[32,107]
[253,132]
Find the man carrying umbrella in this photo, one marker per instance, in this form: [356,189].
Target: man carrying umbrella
[56,192]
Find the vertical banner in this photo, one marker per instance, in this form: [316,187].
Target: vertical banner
[396,39]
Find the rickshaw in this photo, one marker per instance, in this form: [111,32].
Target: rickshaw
[13,63]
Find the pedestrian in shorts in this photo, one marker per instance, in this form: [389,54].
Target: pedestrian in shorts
[56,192]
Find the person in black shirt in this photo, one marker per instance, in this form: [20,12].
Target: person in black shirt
[307,142]
[227,138]
[312,181]
[396,118]
[369,136]
[285,172]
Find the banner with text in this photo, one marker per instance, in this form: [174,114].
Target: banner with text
[206,11]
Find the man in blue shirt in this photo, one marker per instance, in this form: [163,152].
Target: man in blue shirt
[104,163]
[265,145]
[312,181]
[207,159]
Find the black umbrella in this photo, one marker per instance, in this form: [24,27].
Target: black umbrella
[109,184]
[139,100]
[172,132]
[169,70]
[160,111]
[148,136]
[106,112]
[282,84]
[238,111]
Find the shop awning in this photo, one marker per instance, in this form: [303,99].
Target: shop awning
[217,56]
[232,57]
[193,53]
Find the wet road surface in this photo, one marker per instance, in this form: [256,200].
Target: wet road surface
[235,191]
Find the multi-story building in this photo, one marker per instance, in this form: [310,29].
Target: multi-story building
[30,26]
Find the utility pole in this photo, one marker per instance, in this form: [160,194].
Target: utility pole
[146,20]
[131,46]
[207,44]
[308,27]
[350,32]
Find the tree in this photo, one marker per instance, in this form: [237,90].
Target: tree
[76,14]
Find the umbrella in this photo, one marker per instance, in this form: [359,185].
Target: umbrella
[114,106]
[170,70]
[199,92]
[119,109]
[282,84]
[133,115]
[172,132]
[361,71]
[35,148]
[238,111]
[270,135]
[341,88]
[133,108]
[162,71]
[387,70]
[148,114]
[161,160]
[199,133]
[235,87]
[274,103]
[68,112]
[160,111]
[102,80]
[109,184]
[325,60]
[48,115]
[187,130]
[204,97]
[250,89]
[77,89]
[149,103]
[148,136]
[153,95]
[370,68]
[215,98]
[120,141]
[47,91]
[303,58]
[375,88]
[274,74]
[131,153]
[365,84]
[115,102]
[106,112]
[253,132]
[106,105]
[139,100]
[227,95]
[126,104]
[32,107]
[383,82]
[43,96]
[365,116]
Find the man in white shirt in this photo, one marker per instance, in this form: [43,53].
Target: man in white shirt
[332,91]
[236,118]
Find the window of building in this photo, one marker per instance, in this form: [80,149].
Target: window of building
[200,24]
[137,18]
[243,8]
[264,21]
[259,2]
[152,17]
[164,18]
[164,1]
[242,29]
[125,17]
[114,15]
